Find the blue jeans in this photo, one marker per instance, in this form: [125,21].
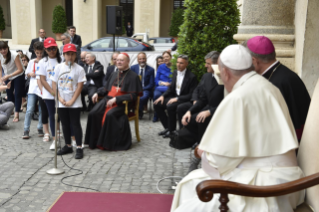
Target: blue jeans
[32,99]
[144,99]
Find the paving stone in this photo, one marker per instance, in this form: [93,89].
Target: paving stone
[25,185]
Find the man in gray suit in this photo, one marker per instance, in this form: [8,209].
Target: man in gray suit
[66,38]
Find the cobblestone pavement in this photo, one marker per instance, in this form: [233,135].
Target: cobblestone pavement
[25,185]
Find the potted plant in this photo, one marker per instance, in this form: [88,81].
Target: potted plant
[59,22]
[2,22]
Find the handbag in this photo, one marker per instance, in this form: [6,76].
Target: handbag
[183,139]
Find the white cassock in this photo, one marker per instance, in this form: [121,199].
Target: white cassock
[250,140]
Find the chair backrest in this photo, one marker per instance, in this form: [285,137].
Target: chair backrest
[308,154]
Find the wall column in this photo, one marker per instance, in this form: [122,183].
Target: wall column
[147,17]
[87,20]
[274,19]
[36,17]
[21,22]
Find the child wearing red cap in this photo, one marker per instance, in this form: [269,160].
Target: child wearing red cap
[70,105]
[46,70]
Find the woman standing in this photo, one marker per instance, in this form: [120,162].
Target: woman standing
[13,71]
[70,86]
[46,70]
[162,79]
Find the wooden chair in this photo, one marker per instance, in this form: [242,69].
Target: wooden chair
[308,160]
[133,115]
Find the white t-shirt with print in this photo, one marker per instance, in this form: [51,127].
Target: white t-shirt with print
[33,86]
[68,83]
[47,68]
[11,66]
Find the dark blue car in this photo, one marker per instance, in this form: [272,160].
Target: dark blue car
[122,44]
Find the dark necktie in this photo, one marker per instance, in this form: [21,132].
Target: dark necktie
[91,69]
[142,76]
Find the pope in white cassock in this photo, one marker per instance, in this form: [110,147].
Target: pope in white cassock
[250,140]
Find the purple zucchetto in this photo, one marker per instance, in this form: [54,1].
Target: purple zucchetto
[260,45]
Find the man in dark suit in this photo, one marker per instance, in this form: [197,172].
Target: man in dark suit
[111,68]
[94,76]
[41,38]
[183,84]
[75,39]
[129,29]
[66,39]
[147,77]
[210,94]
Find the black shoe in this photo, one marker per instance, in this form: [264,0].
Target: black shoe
[65,150]
[79,153]
[155,119]
[35,117]
[169,134]
[140,116]
[163,132]
[40,133]
[26,135]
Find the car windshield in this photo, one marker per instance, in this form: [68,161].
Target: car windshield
[102,43]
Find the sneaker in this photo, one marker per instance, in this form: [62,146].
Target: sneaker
[65,150]
[85,146]
[79,153]
[4,127]
[52,147]
[74,143]
[26,135]
[40,133]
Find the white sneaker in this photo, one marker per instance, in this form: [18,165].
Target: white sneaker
[74,143]
[52,147]
[85,146]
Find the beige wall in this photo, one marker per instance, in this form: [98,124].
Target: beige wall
[87,19]
[47,13]
[307,45]
[147,17]
[166,16]
[20,20]
[7,33]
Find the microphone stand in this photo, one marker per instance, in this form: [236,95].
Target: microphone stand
[55,170]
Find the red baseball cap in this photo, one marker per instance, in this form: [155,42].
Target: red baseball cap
[260,45]
[49,42]
[69,48]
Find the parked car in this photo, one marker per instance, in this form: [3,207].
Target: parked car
[161,40]
[158,43]
[122,44]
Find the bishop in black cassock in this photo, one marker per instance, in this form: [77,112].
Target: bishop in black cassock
[288,82]
[108,126]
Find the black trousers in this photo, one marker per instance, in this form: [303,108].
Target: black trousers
[168,121]
[89,90]
[71,117]
[183,108]
[198,128]
[44,111]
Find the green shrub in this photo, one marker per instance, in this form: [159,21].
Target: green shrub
[176,22]
[2,20]
[208,25]
[59,22]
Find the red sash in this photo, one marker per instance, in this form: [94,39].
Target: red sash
[112,93]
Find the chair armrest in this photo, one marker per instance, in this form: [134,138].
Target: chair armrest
[126,107]
[206,189]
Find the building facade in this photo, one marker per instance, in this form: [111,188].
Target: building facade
[25,17]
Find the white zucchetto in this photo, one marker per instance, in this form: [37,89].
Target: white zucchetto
[236,57]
